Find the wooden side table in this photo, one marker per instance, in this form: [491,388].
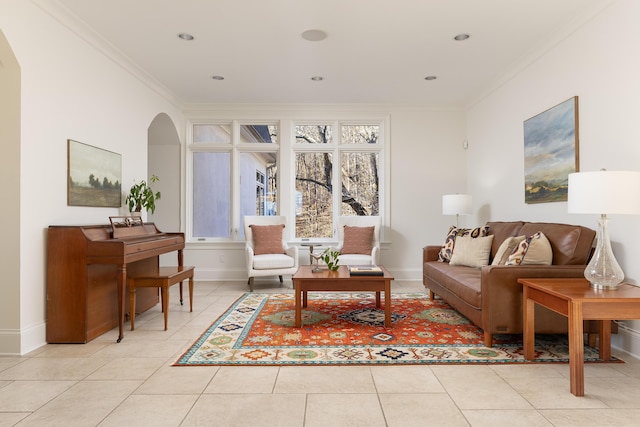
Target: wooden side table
[575,299]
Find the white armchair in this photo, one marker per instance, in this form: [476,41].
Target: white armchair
[359,258]
[270,259]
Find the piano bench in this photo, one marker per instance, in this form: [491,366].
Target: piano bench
[165,277]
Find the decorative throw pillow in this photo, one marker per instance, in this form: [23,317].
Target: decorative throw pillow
[449,242]
[535,249]
[267,239]
[505,249]
[357,240]
[472,251]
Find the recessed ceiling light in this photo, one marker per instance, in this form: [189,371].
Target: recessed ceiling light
[317,78]
[314,35]
[430,78]
[186,36]
[461,37]
[217,77]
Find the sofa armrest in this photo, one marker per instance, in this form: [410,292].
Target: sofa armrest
[430,253]
[502,294]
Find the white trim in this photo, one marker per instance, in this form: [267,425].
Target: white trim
[93,38]
[627,341]
[18,342]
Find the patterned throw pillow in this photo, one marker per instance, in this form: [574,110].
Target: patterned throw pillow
[449,242]
[535,249]
[505,249]
[357,240]
[267,239]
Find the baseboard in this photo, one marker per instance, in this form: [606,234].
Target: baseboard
[18,342]
[232,275]
[10,342]
[627,341]
[220,274]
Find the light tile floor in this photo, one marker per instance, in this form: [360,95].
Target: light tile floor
[132,383]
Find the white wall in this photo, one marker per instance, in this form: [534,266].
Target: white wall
[427,161]
[599,63]
[69,90]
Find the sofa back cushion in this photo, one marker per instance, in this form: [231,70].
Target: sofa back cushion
[571,244]
[501,231]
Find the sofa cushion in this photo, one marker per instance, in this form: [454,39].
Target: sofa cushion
[461,281]
[535,249]
[472,251]
[357,240]
[449,242]
[505,249]
[272,261]
[267,239]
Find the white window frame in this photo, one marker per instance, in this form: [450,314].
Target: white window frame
[336,147]
[286,147]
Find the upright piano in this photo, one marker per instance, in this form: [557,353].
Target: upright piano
[87,270]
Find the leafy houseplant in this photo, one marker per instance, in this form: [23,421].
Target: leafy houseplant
[141,196]
[330,257]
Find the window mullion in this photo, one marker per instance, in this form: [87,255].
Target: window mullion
[235,193]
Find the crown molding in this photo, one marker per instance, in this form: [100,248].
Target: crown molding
[74,24]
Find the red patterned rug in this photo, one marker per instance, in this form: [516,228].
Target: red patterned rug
[348,329]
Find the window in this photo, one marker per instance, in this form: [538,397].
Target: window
[228,156]
[356,175]
[324,169]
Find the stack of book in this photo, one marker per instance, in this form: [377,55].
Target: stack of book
[365,270]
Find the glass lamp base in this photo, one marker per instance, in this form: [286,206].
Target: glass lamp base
[603,271]
[601,286]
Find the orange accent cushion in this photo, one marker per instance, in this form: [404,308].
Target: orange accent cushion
[267,239]
[357,240]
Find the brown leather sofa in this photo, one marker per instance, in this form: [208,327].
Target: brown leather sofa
[491,296]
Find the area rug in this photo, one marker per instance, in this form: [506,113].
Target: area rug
[348,329]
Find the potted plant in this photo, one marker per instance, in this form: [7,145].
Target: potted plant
[330,257]
[141,196]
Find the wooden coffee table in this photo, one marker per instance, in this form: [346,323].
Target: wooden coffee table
[575,299]
[340,281]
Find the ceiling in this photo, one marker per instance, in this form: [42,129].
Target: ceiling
[376,51]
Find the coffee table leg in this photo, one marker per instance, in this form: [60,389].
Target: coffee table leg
[298,303]
[378,299]
[576,349]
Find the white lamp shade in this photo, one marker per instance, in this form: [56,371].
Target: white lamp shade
[604,192]
[456,204]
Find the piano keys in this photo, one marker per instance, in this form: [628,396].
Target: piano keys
[87,270]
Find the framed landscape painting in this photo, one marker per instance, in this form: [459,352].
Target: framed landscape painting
[94,176]
[550,152]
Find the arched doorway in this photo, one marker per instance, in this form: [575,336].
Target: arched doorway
[163,160]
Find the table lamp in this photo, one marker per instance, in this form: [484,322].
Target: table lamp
[456,204]
[604,192]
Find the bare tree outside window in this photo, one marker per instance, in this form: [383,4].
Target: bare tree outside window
[359,177]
